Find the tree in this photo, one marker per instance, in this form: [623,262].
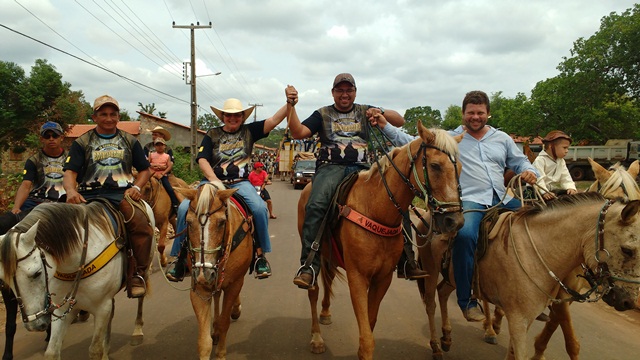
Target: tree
[429,117]
[273,140]
[208,121]
[452,117]
[149,108]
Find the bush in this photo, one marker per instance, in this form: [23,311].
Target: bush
[9,183]
[181,167]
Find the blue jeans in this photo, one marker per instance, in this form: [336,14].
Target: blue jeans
[464,248]
[256,204]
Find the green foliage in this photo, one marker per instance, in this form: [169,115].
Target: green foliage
[208,121]
[516,116]
[9,184]
[148,108]
[430,118]
[274,138]
[452,117]
[181,167]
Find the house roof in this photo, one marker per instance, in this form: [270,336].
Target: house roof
[132,127]
[521,139]
[159,120]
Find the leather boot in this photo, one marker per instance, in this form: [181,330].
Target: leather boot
[407,265]
[141,241]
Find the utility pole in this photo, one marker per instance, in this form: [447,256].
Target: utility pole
[255,112]
[194,103]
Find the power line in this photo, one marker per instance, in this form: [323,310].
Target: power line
[94,65]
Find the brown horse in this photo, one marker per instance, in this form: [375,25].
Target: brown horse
[613,183]
[154,193]
[428,163]
[221,248]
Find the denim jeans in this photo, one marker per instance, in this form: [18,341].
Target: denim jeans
[464,248]
[256,204]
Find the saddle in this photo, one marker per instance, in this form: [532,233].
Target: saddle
[489,228]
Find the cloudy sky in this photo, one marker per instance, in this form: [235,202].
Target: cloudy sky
[402,53]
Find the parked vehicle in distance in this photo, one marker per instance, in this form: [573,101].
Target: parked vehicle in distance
[624,151]
[302,173]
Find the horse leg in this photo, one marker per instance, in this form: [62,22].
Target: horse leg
[444,291]
[325,314]
[216,316]
[138,336]
[202,309]
[559,315]
[236,310]
[428,294]
[10,326]
[498,315]
[58,332]
[358,286]
[377,290]
[162,239]
[517,337]
[317,342]
[231,293]
[99,348]
[490,336]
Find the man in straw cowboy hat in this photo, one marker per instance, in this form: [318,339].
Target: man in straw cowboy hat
[163,134]
[224,157]
[100,165]
[343,131]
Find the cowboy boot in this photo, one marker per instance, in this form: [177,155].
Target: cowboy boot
[141,241]
[407,265]
[179,270]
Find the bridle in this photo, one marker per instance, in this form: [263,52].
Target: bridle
[600,279]
[49,306]
[424,190]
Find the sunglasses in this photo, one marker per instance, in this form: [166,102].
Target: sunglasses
[50,135]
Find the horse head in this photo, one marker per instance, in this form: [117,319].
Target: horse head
[616,182]
[24,268]
[436,154]
[619,251]
[209,229]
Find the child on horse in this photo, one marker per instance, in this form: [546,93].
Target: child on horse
[555,178]
[161,166]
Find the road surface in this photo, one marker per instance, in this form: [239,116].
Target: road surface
[275,320]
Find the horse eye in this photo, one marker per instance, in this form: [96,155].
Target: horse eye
[36,274]
[628,252]
[436,167]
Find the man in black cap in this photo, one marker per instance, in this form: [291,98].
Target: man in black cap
[41,177]
[343,131]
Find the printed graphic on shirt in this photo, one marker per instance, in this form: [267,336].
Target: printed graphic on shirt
[49,180]
[232,157]
[109,167]
[347,146]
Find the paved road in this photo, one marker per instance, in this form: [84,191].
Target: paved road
[275,319]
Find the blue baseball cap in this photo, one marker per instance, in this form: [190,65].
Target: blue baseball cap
[51,126]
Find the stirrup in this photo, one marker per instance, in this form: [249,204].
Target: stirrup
[313,274]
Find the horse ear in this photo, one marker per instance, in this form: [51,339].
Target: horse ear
[458,138]
[602,175]
[32,232]
[634,168]
[185,193]
[630,210]
[224,195]
[427,135]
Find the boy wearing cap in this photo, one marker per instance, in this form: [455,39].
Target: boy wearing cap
[100,165]
[344,132]
[554,174]
[41,177]
[161,165]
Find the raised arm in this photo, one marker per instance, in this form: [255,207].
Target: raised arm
[296,129]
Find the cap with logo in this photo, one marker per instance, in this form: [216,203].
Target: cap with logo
[51,126]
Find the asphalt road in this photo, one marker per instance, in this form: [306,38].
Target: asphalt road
[275,320]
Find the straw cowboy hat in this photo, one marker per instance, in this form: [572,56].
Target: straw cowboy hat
[232,106]
[165,133]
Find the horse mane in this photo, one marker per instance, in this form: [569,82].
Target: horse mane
[619,178]
[207,195]
[561,202]
[443,140]
[59,224]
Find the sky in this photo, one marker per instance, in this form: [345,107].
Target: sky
[402,53]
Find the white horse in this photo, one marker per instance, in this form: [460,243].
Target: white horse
[40,258]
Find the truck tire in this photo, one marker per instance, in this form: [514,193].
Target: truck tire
[577,173]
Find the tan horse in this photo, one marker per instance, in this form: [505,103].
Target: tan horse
[154,193]
[613,183]
[370,259]
[214,221]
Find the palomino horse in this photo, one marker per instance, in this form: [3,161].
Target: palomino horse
[40,258]
[221,248]
[536,247]
[612,184]
[154,193]
[428,163]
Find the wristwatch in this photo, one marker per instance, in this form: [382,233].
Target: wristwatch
[381,110]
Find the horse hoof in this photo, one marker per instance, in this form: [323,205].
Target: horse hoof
[497,329]
[491,340]
[317,348]
[325,320]
[439,356]
[136,340]
[446,344]
[163,260]
[236,312]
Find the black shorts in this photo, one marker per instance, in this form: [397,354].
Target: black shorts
[264,194]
